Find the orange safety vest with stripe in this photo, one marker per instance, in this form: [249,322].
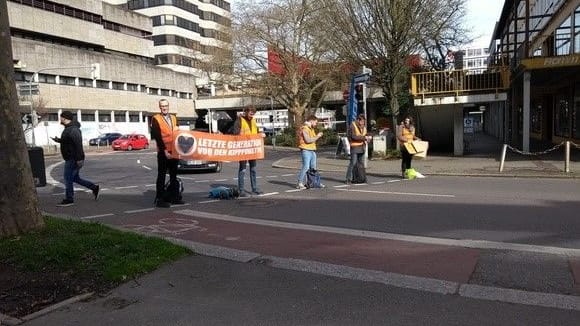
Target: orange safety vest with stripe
[358,132]
[248,127]
[167,130]
[408,134]
[302,143]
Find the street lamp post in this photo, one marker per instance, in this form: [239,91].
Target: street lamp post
[95,74]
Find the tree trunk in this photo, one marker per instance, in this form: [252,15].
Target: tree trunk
[19,210]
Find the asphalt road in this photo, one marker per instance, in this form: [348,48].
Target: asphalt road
[528,211]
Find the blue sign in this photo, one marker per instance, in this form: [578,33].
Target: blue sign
[352,101]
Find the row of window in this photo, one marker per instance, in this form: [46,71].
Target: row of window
[62,9]
[90,117]
[170,39]
[176,59]
[187,6]
[172,20]
[125,29]
[23,77]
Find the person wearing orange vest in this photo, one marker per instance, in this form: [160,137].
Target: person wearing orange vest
[307,138]
[357,136]
[163,125]
[406,134]
[246,125]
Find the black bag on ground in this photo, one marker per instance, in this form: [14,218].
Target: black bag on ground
[312,179]
[173,191]
[359,174]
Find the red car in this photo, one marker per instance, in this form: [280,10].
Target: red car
[131,142]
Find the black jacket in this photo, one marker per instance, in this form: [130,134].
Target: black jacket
[71,142]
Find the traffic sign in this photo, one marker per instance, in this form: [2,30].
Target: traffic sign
[362,78]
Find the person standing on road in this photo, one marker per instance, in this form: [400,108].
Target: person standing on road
[406,134]
[246,125]
[307,138]
[357,136]
[71,148]
[163,125]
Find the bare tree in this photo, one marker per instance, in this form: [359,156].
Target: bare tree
[19,210]
[281,51]
[383,34]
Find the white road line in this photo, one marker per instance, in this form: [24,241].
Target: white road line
[271,176]
[466,243]
[186,178]
[139,210]
[221,180]
[96,216]
[378,183]
[294,190]
[49,178]
[146,167]
[151,185]
[340,186]
[202,181]
[360,184]
[269,194]
[288,175]
[398,193]
[208,201]
[126,187]
[391,181]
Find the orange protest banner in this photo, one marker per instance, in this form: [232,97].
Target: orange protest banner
[196,145]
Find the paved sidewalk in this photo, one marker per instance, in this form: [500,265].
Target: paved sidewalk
[450,165]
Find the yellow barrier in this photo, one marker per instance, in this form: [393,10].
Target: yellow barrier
[459,81]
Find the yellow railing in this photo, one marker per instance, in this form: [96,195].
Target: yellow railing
[459,82]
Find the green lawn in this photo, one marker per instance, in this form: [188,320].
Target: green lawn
[88,249]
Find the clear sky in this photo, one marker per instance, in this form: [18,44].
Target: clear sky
[481,18]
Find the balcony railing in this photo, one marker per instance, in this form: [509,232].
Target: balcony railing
[460,82]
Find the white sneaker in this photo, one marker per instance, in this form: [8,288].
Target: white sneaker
[300,186]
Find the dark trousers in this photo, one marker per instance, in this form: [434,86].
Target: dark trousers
[163,165]
[407,158]
[71,174]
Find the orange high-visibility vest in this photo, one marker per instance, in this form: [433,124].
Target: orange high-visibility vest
[302,143]
[167,130]
[357,132]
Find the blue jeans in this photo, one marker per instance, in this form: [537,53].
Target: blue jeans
[71,174]
[308,162]
[242,173]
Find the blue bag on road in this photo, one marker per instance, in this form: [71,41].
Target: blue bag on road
[313,179]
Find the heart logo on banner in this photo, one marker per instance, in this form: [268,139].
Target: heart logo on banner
[185,144]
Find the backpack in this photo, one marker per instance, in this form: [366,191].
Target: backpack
[222,192]
[312,179]
[359,174]
[173,191]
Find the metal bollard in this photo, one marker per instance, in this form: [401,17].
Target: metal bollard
[567,158]
[501,162]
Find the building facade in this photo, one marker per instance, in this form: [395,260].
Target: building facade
[55,45]
[540,40]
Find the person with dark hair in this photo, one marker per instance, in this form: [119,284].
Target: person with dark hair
[246,125]
[71,149]
[406,134]
[163,125]
[307,137]
[357,136]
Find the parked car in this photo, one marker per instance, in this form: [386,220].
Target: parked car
[198,165]
[131,142]
[105,139]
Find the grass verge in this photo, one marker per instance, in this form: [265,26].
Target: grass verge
[90,249]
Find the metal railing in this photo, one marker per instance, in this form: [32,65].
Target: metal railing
[459,82]
[567,144]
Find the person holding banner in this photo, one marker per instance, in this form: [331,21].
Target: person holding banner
[406,134]
[246,125]
[163,125]
[307,138]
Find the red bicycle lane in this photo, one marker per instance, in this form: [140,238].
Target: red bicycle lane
[441,262]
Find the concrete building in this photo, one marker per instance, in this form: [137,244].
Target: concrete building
[540,40]
[55,43]
[187,34]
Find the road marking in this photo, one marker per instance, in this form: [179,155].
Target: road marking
[391,181]
[139,210]
[126,187]
[288,175]
[146,167]
[96,216]
[465,243]
[294,190]
[271,176]
[269,194]
[397,193]
[340,186]
[378,183]
[202,181]
[186,178]
[221,180]
[151,185]
[208,201]
[49,178]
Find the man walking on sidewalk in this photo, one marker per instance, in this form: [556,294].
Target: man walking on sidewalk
[71,148]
